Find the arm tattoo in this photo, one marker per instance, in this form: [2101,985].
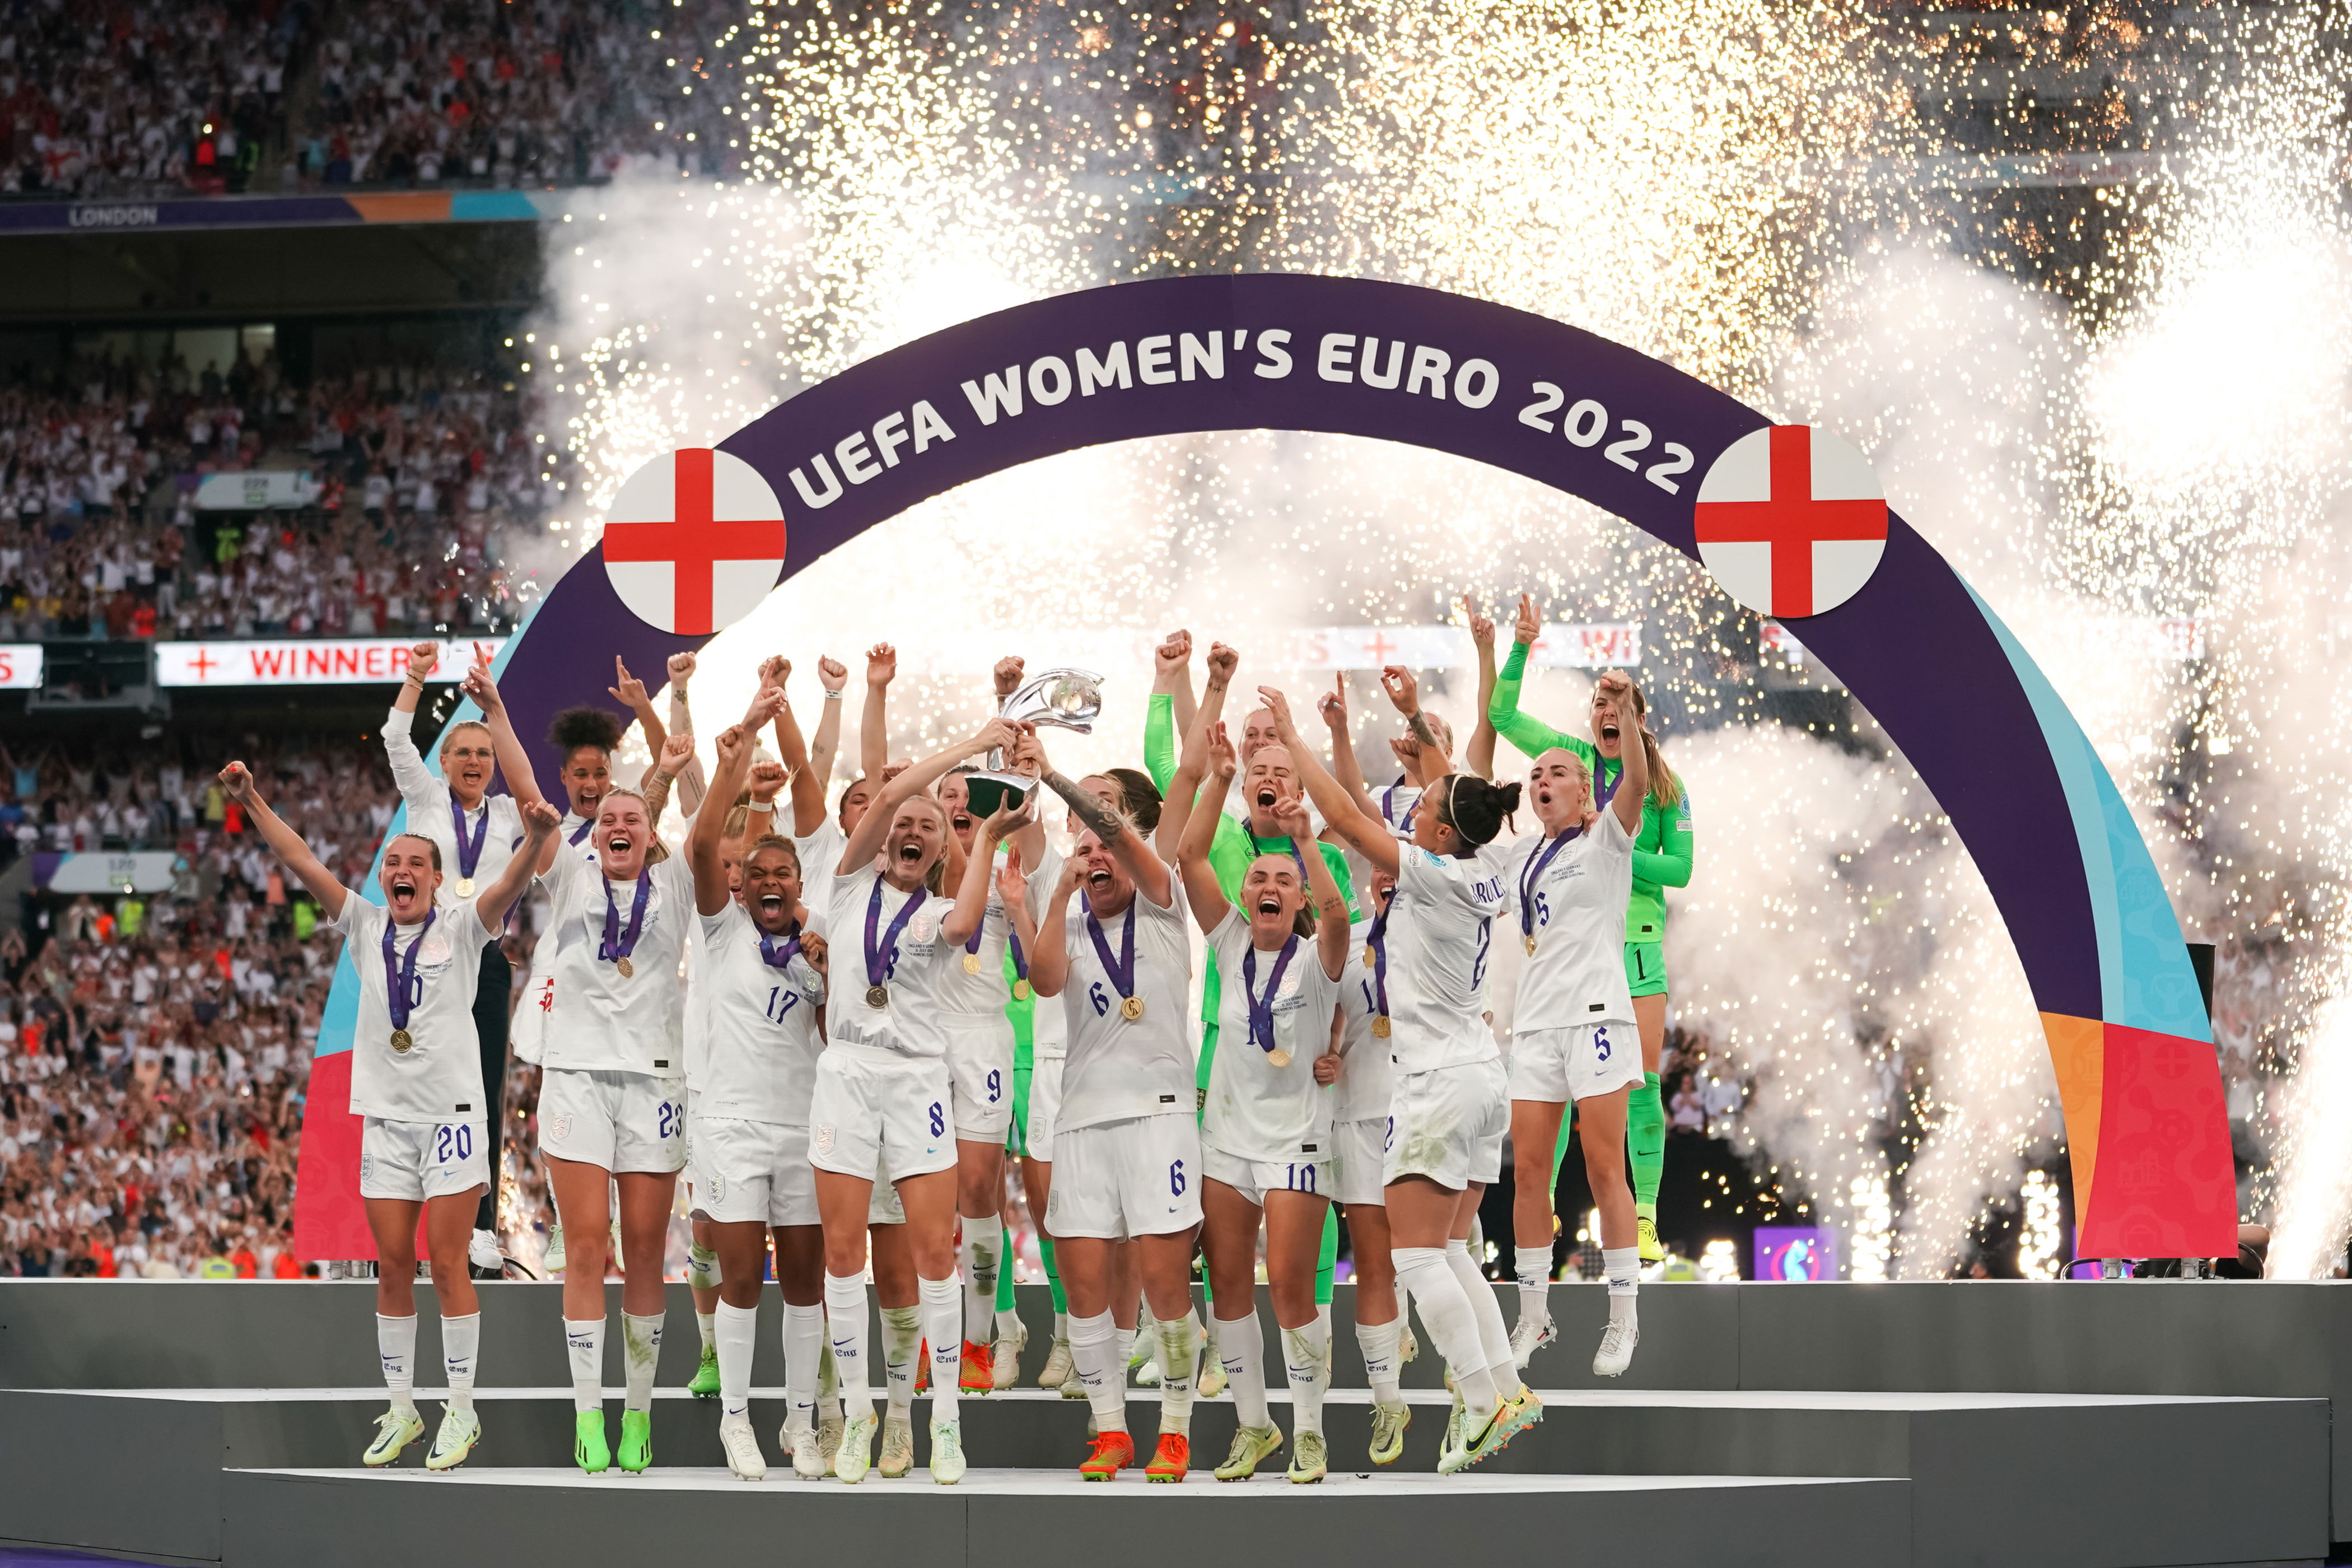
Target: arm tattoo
[1424,731]
[1090,809]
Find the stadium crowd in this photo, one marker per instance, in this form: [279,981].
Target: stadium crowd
[426,484]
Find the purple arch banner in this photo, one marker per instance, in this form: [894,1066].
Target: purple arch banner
[2102,949]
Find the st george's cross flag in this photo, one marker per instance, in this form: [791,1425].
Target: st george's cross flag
[694,539]
[1790,521]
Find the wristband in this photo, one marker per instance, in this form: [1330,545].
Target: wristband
[832,696]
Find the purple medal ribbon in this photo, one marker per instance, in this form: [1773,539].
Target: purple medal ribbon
[578,833]
[882,961]
[777,958]
[1257,849]
[1261,1014]
[618,943]
[470,855]
[400,978]
[1534,873]
[1602,794]
[1013,942]
[1122,971]
[1388,806]
[1378,940]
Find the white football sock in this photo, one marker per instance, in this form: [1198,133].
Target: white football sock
[804,1354]
[845,1326]
[902,1341]
[1379,1343]
[1241,1344]
[583,1342]
[461,1342]
[984,1254]
[1180,1363]
[1622,1265]
[944,1312]
[1303,1349]
[1061,1325]
[1446,1312]
[1535,1284]
[641,1338]
[709,1323]
[1008,1322]
[1493,1334]
[737,1335]
[395,1346]
[1094,1347]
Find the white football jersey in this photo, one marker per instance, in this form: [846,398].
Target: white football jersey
[439,1077]
[1365,1079]
[603,1022]
[979,993]
[1120,1067]
[762,1041]
[1257,1110]
[1575,910]
[912,1021]
[1434,959]
[820,853]
[1398,803]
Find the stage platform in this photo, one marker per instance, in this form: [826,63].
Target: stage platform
[2062,1425]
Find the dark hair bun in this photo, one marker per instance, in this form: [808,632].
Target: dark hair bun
[1138,797]
[1478,807]
[577,727]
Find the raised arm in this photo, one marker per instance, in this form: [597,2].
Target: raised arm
[1531,735]
[1201,890]
[1012,886]
[237,783]
[971,890]
[415,779]
[1634,784]
[1480,755]
[1146,870]
[813,778]
[681,722]
[630,693]
[1178,807]
[710,892]
[539,823]
[1333,706]
[917,776]
[1365,833]
[676,751]
[1330,903]
[1049,960]
[872,729]
[1405,691]
[1172,710]
[514,758]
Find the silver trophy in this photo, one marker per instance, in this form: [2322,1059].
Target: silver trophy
[1054,699]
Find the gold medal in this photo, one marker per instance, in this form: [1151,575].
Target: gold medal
[1370,961]
[625,967]
[972,963]
[402,1042]
[1021,991]
[1531,945]
[1131,1008]
[1278,1056]
[465,887]
[1380,1027]
[877,996]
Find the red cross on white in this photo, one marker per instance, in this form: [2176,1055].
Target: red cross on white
[1790,521]
[694,539]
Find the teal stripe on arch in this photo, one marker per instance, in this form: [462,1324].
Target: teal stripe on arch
[339,1021]
[2145,980]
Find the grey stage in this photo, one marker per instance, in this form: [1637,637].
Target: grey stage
[2070,1424]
